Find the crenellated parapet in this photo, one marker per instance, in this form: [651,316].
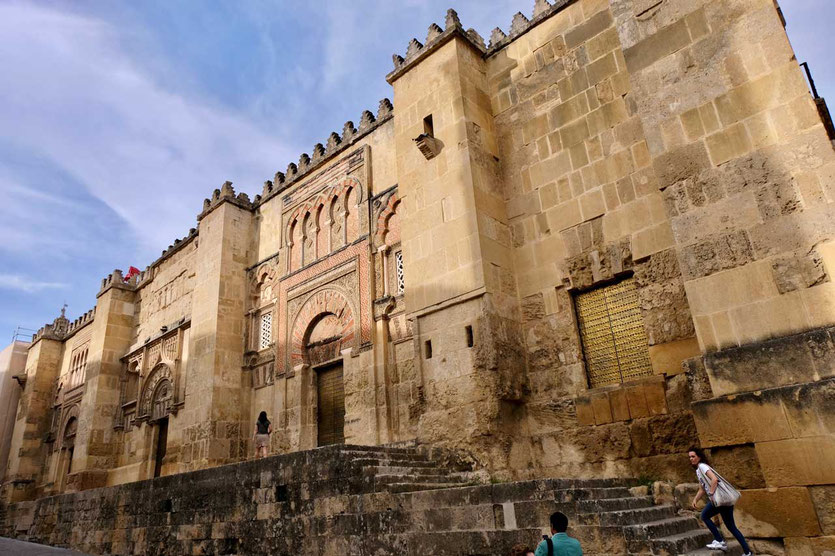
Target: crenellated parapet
[176,246]
[520,24]
[335,144]
[226,194]
[435,38]
[81,321]
[117,280]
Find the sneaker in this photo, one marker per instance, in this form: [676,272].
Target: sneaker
[718,545]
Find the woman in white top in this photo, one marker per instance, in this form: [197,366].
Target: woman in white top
[709,481]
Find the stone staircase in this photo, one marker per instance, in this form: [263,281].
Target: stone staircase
[353,500]
[402,469]
[646,528]
[445,513]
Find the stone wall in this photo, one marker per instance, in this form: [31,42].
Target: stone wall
[437,252]
[777,442]
[326,501]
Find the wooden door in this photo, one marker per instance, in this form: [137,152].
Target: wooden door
[162,443]
[331,410]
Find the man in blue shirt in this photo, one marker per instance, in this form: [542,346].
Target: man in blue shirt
[562,544]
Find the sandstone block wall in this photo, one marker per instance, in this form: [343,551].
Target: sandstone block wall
[437,251]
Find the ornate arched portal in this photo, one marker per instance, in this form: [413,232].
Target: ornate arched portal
[68,433]
[155,404]
[325,319]
[324,327]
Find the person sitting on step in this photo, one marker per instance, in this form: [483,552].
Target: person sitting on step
[560,544]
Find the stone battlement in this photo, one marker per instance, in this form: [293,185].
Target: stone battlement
[435,38]
[334,145]
[81,321]
[520,24]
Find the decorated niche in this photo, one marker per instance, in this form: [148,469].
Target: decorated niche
[324,223]
[262,325]
[391,275]
[263,372]
[389,265]
[261,329]
[151,385]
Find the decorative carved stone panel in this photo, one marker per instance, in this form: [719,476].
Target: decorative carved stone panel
[150,395]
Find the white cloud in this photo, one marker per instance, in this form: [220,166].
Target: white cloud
[26,285]
[73,95]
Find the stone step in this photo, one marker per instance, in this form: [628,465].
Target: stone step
[661,528]
[562,484]
[407,470]
[387,457]
[345,448]
[390,462]
[418,478]
[630,516]
[734,549]
[614,504]
[591,493]
[417,486]
[680,543]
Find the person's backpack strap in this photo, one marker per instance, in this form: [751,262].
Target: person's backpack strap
[550,544]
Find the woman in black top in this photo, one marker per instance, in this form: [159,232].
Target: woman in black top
[263,429]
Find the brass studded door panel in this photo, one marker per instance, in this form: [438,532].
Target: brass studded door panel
[615,343]
[331,406]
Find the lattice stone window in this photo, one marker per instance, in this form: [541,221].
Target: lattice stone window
[615,344]
[398,269]
[266,335]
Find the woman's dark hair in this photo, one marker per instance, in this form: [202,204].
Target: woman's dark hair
[262,417]
[699,452]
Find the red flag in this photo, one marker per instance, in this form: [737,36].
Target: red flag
[132,271]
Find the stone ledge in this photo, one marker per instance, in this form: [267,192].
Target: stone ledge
[799,411]
[795,359]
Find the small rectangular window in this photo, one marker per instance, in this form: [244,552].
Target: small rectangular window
[468,330]
[614,341]
[266,333]
[427,346]
[428,126]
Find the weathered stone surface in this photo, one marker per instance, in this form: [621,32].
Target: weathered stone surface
[664,434]
[777,512]
[823,498]
[739,464]
[798,461]
[673,142]
[684,494]
[789,360]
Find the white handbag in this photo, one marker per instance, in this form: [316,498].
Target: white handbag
[725,494]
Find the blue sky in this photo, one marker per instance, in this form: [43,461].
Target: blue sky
[119,118]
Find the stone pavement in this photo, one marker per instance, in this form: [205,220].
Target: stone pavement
[20,548]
